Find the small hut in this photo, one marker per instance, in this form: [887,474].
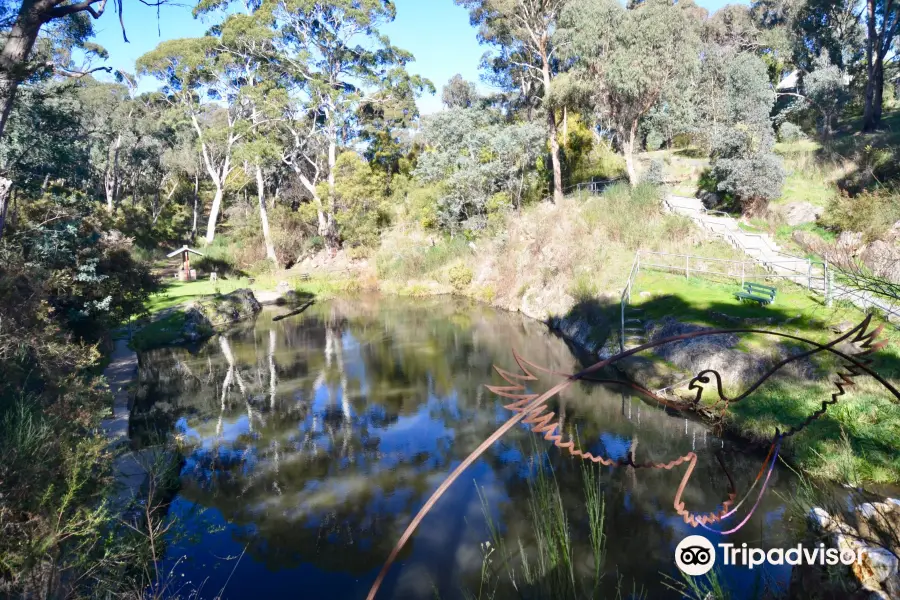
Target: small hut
[186,273]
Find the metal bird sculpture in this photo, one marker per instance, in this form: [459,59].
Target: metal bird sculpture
[531,409]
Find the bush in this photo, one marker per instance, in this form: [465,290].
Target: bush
[788,133]
[754,181]
[460,277]
[655,173]
[654,141]
[872,213]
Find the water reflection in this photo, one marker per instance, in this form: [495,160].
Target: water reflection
[315,439]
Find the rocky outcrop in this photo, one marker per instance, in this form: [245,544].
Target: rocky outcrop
[870,531]
[798,213]
[205,317]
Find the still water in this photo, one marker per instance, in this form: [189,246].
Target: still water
[313,440]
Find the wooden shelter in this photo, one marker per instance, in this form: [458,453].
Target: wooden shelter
[186,273]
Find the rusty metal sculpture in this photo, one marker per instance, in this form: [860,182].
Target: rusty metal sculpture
[531,409]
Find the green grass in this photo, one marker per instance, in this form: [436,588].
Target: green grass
[160,332]
[857,439]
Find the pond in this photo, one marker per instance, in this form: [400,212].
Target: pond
[313,440]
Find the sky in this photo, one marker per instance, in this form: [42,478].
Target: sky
[437,32]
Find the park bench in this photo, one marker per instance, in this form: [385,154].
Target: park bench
[756,292]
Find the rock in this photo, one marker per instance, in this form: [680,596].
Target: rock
[878,564]
[883,259]
[798,213]
[710,199]
[283,287]
[843,327]
[819,520]
[849,240]
[805,240]
[202,319]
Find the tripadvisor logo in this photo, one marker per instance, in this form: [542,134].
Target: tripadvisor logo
[696,555]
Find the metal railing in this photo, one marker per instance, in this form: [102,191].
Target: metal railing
[691,264]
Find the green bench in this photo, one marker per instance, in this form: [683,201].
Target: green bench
[756,292]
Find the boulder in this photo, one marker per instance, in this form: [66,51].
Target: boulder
[205,317]
[869,530]
[710,199]
[798,213]
[849,240]
[883,258]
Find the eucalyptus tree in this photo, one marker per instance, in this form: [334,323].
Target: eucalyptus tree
[523,32]
[826,90]
[831,26]
[247,49]
[190,69]
[475,156]
[744,164]
[628,59]
[385,118]
[459,93]
[335,57]
[882,18]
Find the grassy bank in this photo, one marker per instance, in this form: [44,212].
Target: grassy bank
[856,440]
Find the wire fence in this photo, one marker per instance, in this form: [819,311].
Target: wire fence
[816,276]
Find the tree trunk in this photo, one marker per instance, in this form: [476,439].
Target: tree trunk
[330,233]
[5,192]
[111,179]
[628,151]
[14,56]
[264,217]
[552,132]
[196,204]
[874,94]
[873,47]
[214,213]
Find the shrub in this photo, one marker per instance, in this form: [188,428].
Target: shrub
[788,133]
[460,277]
[654,141]
[655,173]
[754,180]
[872,213]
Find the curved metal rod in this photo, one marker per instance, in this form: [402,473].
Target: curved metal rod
[529,408]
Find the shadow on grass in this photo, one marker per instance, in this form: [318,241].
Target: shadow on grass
[854,440]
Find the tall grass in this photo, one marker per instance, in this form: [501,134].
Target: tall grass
[547,567]
[411,261]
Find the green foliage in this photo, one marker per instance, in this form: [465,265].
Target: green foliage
[744,164]
[473,155]
[89,276]
[789,133]
[653,141]
[871,212]
[460,277]
[359,200]
[655,173]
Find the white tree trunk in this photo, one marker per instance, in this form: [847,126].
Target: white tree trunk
[264,217]
[214,213]
[628,151]
[5,193]
[111,179]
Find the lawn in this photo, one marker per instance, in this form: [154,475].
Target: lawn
[856,441]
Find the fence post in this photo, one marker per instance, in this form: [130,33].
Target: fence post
[622,329]
[808,274]
[687,266]
[828,284]
[742,274]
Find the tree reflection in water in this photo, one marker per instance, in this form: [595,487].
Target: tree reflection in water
[313,441]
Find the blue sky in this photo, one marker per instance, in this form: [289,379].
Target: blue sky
[437,32]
